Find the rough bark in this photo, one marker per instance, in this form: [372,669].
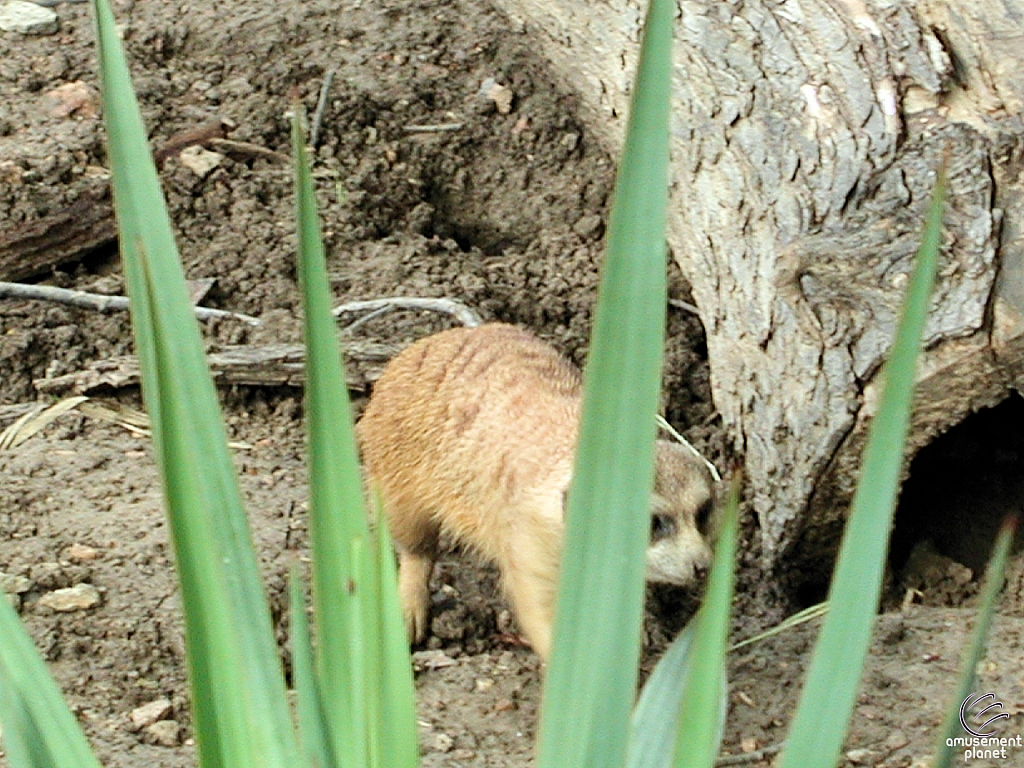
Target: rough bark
[805,139]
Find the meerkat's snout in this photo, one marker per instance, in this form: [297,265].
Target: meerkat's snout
[473,432]
[682,504]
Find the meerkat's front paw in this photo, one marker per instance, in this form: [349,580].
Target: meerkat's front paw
[414,591]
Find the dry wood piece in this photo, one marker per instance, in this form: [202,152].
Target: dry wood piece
[247,149]
[101,302]
[433,128]
[201,136]
[67,235]
[38,246]
[457,309]
[273,365]
[321,108]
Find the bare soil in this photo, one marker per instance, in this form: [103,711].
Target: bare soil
[501,210]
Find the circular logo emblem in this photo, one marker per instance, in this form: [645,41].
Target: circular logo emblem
[976,710]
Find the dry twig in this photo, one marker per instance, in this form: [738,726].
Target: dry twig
[247,149]
[437,128]
[100,302]
[321,107]
[457,309]
[751,757]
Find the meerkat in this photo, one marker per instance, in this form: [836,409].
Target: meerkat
[472,432]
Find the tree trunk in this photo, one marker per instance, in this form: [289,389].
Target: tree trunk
[806,134]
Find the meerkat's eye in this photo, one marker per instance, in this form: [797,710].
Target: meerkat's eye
[662,527]
[703,516]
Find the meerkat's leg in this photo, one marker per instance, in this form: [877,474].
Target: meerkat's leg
[531,582]
[416,538]
[414,569]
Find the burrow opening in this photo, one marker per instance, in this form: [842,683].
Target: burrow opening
[960,488]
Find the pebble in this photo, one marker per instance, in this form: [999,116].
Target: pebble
[440,742]
[76,598]
[166,733]
[27,18]
[589,225]
[432,660]
[81,553]
[505,705]
[861,757]
[14,585]
[200,161]
[147,714]
[74,98]
[501,95]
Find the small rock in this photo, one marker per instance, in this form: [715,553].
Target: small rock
[27,18]
[506,624]
[14,585]
[505,705]
[463,755]
[483,684]
[166,733]
[432,660]
[76,598]
[10,172]
[589,225]
[861,757]
[148,714]
[200,161]
[896,740]
[81,553]
[500,94]
[49,576]
[440,742]
[71,98]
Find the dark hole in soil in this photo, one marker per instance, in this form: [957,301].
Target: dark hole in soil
[962,486]
[810,593]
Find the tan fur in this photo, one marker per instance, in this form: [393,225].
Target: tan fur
[472,432]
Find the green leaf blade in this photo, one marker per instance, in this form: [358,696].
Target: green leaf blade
[591,681]
[362,658]
[822,718]
[690,677]
[702,712]
[312,724]
[39,730]
[238,698]
[994,578]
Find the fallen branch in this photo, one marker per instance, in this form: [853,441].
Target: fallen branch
[436,128]
[680,304]
[752,757]
[247,149]
[269,366]
[100,302]
[38,246]
[216,129]
[321,107]
[457,309]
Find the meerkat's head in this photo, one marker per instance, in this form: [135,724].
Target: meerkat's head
[682,504]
